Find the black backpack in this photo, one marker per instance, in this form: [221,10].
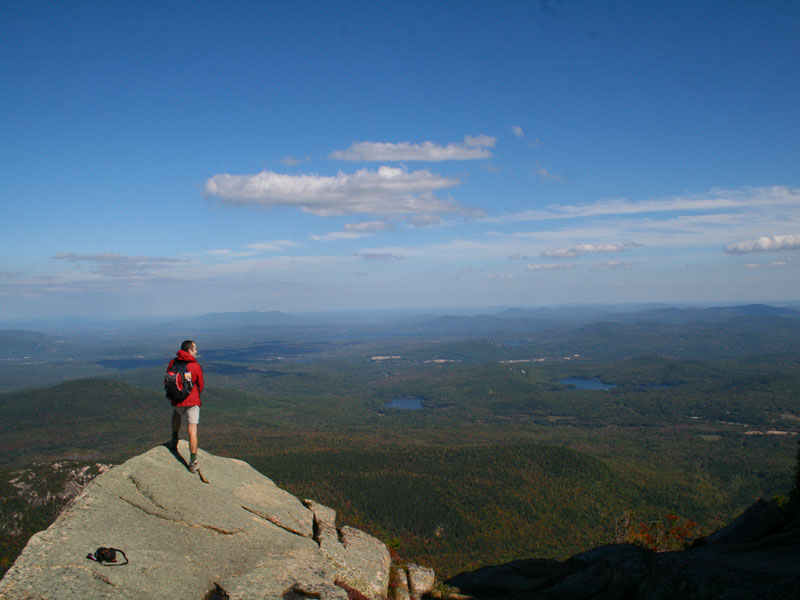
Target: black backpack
[178,381]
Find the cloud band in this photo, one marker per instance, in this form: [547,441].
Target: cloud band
[385,191]
[472,148]
[765,244]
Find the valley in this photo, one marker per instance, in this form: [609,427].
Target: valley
[502,459]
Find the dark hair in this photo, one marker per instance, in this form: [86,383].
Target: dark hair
[187,345]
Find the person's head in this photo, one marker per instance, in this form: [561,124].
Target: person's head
[190,347]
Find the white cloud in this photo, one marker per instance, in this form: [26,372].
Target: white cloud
[273,246]
[615,264]
[268,267]
[517,256]
[480,140]
[712,220]
[788,262]
[129,276]
[472,148]
[517,130]
[354,231]
[765,244]
[599,247]
[293,161]
[545,174]
[713,201]
[584,249]
[548,266]
[368,226]
[117,265]
[228,253]
[338,235]
[379,256]
[253,249]
[424,220]
[446,252]
[387,191]
[500,276]
[562,253]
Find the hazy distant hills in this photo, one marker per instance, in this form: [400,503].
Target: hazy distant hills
[696,332]
[18,343]
[716,314]
[602,331]
[243,319]
[539,318]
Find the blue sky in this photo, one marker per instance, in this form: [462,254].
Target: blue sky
[189,157]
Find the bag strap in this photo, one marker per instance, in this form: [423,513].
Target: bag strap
[93,557]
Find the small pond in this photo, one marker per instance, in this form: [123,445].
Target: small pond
[586,384]
[405,403]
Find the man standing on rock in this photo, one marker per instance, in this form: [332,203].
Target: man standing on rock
[190,406]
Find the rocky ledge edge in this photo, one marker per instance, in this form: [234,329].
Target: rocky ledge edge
[237,537]
[756,556]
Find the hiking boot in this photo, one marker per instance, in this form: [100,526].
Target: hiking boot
[194,466]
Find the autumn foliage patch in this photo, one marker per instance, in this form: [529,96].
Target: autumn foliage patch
[671,533]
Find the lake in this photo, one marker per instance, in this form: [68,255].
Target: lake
[586,384]
[405,403]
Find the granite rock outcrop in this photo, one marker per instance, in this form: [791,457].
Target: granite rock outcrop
[238,537]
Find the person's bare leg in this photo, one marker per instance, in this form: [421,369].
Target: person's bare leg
[192,428]
[176,422]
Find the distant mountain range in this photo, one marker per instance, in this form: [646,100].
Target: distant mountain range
[756,324]
[659,313]
[545,318]
[21,344]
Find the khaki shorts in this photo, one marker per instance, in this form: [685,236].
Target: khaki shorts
[191,414]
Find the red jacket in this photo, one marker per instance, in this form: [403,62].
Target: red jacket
[193,399]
